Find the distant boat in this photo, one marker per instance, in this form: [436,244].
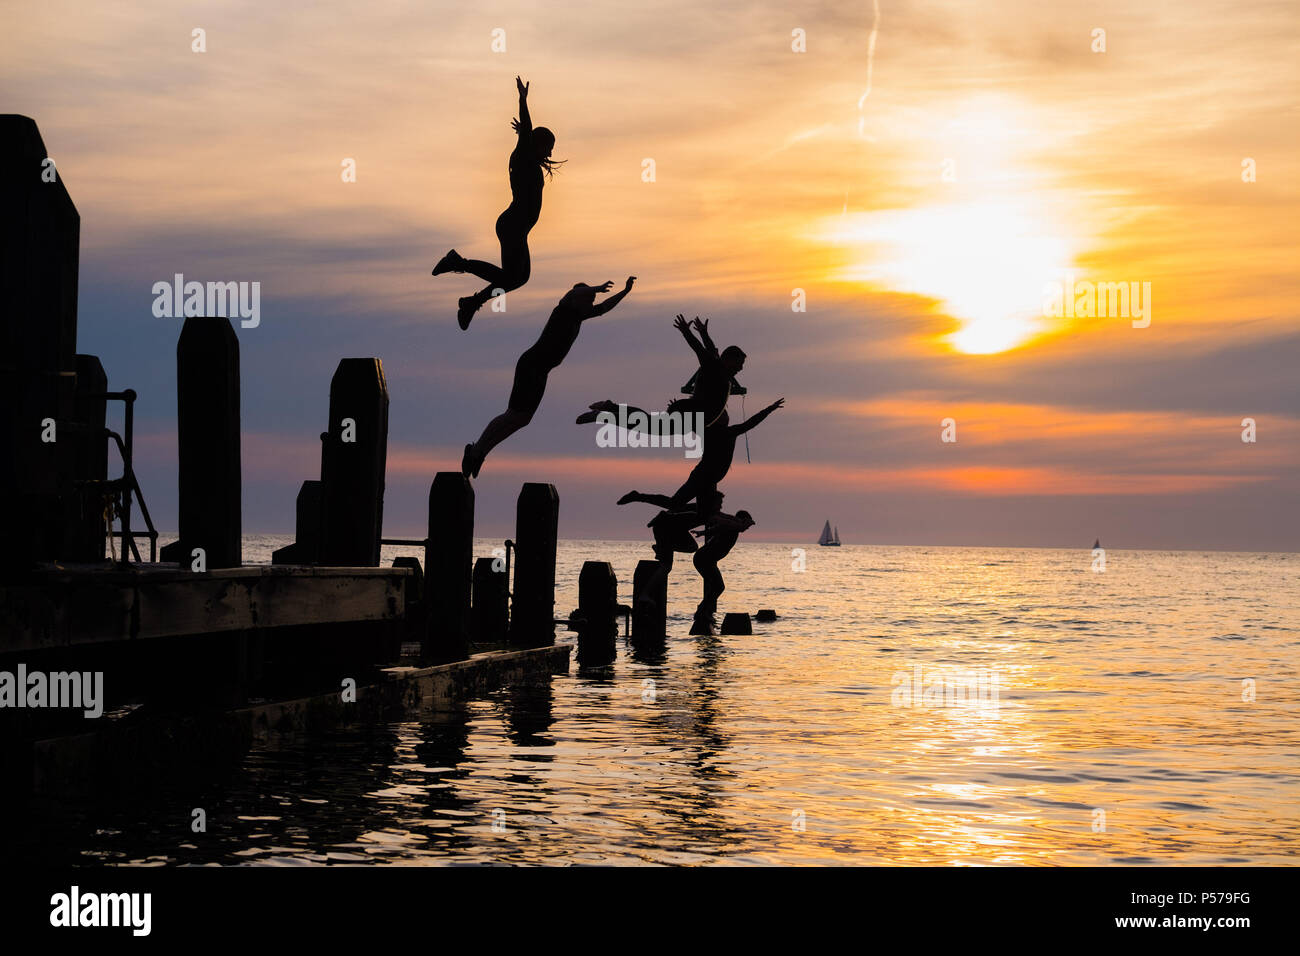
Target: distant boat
[829,538]
[1096,544]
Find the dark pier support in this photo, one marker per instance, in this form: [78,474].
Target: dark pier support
[353,460]
[85,527]
[736,622]
[448,566]
[307,520]
[207,425]
[649,603]
[40,232]
[537,522]
[490,613]
[597,614]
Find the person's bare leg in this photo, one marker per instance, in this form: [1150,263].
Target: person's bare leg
[659,501]
[497,431]
[490,273]
[516,266]
[595,408]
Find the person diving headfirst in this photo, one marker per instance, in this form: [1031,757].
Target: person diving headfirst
[531,371]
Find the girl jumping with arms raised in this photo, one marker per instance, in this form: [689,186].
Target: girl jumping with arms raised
[531,157]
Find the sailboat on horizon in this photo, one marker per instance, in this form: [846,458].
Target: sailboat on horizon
[829,538]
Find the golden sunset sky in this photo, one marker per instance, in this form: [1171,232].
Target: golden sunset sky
[995,152]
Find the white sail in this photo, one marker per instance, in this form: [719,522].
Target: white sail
[837,534]
[826,534]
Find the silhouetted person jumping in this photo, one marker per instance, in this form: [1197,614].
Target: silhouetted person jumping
[720,536]
[531,156]
[719,448]
[712,381]
[672,531]
[558,335]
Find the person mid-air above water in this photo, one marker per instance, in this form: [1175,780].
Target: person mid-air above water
[531,157]
[712,381]
[558,335]
[719,536]
[719,447]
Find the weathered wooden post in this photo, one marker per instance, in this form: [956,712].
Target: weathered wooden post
[448,566]
[537,523]
[353,460]
[597,613]
[415,627]
[489,613]
[207,427]
[649,602]
[40,232]
[85,524]
[307,520]
[736,622]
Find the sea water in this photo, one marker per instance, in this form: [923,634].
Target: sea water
[1144,714]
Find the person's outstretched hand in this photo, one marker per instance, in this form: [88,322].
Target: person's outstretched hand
[779,403]
[521,86]
[605,286]
[680,323]
[701,325]
[627,286]
[514,125]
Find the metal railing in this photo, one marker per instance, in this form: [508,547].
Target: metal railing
[127,486]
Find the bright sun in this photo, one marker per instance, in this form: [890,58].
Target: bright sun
[986,263]
[990,239]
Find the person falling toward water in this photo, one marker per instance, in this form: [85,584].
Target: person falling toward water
[531,156]
[672,535]
[531,371]
[715,461]
[712,381]
[720,536]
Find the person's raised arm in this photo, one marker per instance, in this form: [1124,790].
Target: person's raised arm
[613,300]
[758,417]
[702,326]
[524,125]
[684,327]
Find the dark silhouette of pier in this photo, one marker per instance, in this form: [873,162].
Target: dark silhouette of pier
[194,634]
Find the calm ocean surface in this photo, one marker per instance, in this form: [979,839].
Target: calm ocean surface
[1125,729]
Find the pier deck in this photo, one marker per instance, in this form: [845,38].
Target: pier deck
[66,605]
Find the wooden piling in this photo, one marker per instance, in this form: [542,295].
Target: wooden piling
[40,239]
[597,613]
[415,626]
[207,426]
[307,527]
[40,232]
[489,612]
[85,528]
[736,622]
[448,560]
[537,521]
[649,602]
[353,460]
